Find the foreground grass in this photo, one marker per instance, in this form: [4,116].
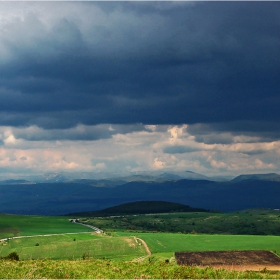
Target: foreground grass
[100,269]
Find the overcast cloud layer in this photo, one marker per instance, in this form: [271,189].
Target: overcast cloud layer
[112,86]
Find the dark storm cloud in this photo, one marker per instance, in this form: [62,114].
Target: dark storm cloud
[179,150]
[224,133]
[79,132]
[142,62]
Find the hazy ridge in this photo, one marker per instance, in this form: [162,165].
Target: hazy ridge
[82,195]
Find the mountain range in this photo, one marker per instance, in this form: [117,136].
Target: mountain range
[111,176]
[82,195]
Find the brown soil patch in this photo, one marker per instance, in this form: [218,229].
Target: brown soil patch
[129,241]
[235,260]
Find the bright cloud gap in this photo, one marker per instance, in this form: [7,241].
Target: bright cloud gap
[132,148]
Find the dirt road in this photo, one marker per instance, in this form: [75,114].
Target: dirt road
[145,245]
[28,236]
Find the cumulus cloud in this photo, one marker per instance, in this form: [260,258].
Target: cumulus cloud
[129,150]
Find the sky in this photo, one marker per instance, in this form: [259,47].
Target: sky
[139,86]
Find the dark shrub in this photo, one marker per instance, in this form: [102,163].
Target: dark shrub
[13,256]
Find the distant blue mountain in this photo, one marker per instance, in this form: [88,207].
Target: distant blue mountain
[14,182]
[121,177]
[92,195]
[263,177]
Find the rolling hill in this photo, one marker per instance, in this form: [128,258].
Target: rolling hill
[142,207]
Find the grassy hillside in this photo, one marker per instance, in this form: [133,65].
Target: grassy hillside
[122,245]
[142,207]
[90,255]
[20,225]
[169,243]
[162,245]
[73,246]
[255,222]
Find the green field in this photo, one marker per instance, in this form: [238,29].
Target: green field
[73,246]
[255,222]
[168,243]
[68,251]
[121,245]
[20,225]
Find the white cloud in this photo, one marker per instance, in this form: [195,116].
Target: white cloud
[217,164]
[10,140]
[177,131]
[131,150]
[259,164]
[158,164]
[151,127]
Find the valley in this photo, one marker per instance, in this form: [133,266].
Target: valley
[144,233]
[68,251]
[164,233]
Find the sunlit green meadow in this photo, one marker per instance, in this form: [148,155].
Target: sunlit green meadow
[168,243]
[23,225]
[72,251]
[73,246]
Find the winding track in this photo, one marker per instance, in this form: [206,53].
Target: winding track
[52,234]
[145,245]
[146,248]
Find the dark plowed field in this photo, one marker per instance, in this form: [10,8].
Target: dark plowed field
[251,260]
